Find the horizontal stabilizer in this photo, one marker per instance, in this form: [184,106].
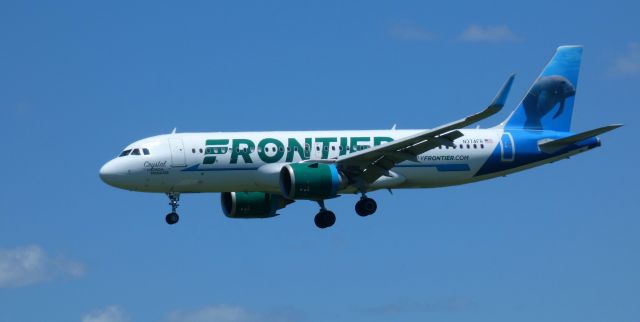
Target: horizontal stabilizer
[556,145]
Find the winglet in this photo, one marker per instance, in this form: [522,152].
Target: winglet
[501,98]
[496,105]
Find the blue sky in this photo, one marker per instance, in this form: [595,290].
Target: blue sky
[82,79]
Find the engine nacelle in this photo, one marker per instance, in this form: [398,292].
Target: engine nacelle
[312,181]
[251,204]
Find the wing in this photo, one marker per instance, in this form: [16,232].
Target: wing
[366,166]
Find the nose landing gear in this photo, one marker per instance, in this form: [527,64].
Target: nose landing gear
[173,217]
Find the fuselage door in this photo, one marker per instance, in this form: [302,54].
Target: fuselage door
[178,157]
[507,148]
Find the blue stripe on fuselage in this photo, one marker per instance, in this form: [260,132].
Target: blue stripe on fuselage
[527,151]
[439,167]
[196,167]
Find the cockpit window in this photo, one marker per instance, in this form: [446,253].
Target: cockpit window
[135,151]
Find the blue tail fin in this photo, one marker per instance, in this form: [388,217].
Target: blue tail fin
[549,103]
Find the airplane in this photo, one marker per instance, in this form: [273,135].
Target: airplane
[260,173]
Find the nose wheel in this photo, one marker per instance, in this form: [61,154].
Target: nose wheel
[173,217]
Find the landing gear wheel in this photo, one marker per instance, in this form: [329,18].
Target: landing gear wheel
[172,218]
[325,219]
[366,207]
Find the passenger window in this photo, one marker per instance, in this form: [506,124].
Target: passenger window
[318,148]
[475,146]
[135,152]
[326,148]
[145,151]
[482,146]
[288,149]
[193,150]
[333,148]
[468,146]
[200,150]
[461,146]
[125,153]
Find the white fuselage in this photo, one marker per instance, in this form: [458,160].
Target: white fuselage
[251,161]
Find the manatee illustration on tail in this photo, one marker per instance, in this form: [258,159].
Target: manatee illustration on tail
[555,88]
[545,94]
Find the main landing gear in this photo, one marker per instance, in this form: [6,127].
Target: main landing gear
[173,217]
[366,206]
[325,218]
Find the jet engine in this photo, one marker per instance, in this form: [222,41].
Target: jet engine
[251,204]
[311,181]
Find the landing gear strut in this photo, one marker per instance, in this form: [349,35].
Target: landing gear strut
[366,206]
[325,218]
[173,217]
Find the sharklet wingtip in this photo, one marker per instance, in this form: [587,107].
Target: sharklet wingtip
[501,98]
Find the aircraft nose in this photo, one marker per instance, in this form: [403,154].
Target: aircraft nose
[109,173]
